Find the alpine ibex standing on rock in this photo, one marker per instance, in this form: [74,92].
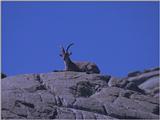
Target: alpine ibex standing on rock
[87,67]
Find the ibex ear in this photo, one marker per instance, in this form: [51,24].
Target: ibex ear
[60,55]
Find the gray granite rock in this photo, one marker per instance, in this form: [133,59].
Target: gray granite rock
[132,74]
[77,95]
[127,113]
[150,83]
[143,77]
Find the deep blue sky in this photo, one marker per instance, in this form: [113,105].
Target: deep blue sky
[119,36]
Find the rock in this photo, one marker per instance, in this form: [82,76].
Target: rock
[150,83]
[92,105]
[134,87]
[150,70]
[83,89]
[122,83]
[3,75]
[126,113]
[155,92]
[135,104]
[108,94]
[143,77]
[155,69]
[146,98]
[113,82]
[21,82]
[132,74]
[125,108]
[77,95]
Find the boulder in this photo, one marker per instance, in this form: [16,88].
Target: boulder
[150,84]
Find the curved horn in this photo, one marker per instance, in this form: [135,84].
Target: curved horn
[69,46]
[63,51]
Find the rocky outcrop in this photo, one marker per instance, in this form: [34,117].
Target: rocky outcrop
[77,95]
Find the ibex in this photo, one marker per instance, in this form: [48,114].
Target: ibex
[87,67]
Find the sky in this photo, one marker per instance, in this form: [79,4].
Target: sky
[120,37]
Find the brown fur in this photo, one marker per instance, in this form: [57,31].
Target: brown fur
[88,67]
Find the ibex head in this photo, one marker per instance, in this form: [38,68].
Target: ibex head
[65,53]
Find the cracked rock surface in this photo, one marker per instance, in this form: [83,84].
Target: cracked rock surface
[77,95]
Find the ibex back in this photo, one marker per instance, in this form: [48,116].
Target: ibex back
[88,67]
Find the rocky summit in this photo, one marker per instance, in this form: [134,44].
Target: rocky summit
[78,95]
